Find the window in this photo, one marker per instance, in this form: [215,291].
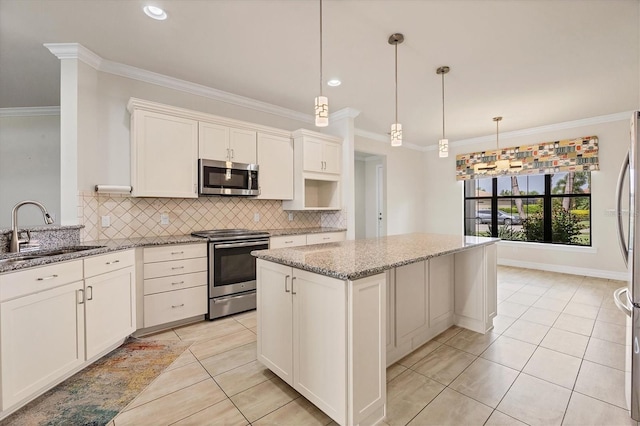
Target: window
[554,208]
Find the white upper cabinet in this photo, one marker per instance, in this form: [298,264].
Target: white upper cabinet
[164,153]
[275,162]
[317,179]
[222,143]
[321,155]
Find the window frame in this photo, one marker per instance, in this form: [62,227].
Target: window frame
[547,206]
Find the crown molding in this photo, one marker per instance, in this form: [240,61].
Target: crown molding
[29,111]
[310,133]
[347,112]
[77,51]
[609,118]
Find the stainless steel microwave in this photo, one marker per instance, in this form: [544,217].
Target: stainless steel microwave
[227,178]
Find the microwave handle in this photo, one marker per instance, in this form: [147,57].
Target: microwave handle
[250,181]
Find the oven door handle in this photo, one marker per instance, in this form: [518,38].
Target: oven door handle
[236,245]
[227,298]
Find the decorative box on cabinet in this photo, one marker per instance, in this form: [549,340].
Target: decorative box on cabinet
[175,283]
[223,143]
[317,166]
[164,153]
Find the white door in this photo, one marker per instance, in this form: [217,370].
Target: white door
[213,142]
[412,301]
[242,144]
[331,156]
[42,339]
[312,153]
[275,322]
[275,175]
[109,309]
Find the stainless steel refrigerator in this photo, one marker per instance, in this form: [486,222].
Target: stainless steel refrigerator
[627,298]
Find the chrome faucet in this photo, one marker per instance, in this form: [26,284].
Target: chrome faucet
[15,237]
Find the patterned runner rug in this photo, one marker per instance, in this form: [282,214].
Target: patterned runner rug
[98,393]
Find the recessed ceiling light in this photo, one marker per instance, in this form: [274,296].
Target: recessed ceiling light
[155,13]
[334,82]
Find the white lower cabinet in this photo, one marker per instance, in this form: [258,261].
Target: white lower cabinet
[41,340]
[175,283]
[52,322]
[109,309]
[324,337]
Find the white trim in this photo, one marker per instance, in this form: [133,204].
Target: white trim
[29,111]
[77,51]
[347,112]
[620,116]
[547,246]
[573,270]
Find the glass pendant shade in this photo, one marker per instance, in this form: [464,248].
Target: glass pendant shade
[322,111]
[443,147]
[396,134]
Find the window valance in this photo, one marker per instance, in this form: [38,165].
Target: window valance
[569,155]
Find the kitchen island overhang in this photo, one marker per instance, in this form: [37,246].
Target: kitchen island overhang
[331,317]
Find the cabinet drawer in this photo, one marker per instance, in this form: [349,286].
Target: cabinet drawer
[174,267]
[162,308]
[175,282]
[175,252]
[325,237]
[34,280]
[96,265]
[287,241]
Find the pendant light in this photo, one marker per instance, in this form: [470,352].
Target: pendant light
[443,144]
[501,165]
[396,128]
[322,103]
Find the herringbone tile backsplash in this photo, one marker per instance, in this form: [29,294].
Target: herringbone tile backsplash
[140,217]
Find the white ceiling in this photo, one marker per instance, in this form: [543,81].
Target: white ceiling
[535,62]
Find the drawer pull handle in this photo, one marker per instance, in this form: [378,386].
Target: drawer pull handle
[326,238]
[177,267]
[177,306]
[112,262]
[177,252]
[178,283]
[50,277]
[288,242]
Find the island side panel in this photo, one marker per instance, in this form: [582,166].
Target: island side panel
[367,337]
[320,342]
[475,299]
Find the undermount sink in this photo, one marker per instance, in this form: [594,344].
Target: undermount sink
[46,253]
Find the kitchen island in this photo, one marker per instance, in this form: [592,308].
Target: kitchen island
[332,317]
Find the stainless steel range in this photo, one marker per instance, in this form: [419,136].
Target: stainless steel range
[232,269]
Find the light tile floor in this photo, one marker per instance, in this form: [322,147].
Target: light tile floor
[556,356]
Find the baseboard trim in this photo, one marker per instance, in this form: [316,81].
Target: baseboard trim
[564,269]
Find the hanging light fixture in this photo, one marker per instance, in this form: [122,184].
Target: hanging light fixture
[322,103]
[396,128]
[501,165]
[443,144]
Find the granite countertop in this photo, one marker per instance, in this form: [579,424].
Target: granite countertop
[99,247]
[106,246]
[354,259]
